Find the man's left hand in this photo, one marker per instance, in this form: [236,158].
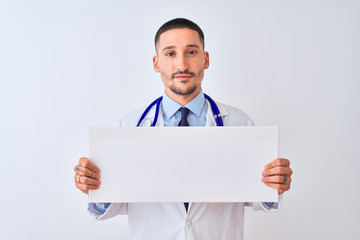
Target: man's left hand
[277,174]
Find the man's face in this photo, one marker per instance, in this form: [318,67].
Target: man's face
[181,61]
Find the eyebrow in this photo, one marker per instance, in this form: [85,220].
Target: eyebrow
[189,45]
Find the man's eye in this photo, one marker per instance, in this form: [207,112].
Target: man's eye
[169,54]
[192,52]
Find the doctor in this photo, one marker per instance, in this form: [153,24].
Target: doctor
[181,60]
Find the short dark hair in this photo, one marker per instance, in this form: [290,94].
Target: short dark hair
[179,23]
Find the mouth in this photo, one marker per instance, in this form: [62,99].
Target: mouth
[183,76]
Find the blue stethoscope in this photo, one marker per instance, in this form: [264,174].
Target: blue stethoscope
[213,105]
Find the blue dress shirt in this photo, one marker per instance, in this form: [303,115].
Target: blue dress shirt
[197,116]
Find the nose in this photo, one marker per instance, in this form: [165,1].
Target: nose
[182,63]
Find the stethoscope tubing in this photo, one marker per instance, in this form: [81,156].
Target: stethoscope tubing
[214,108]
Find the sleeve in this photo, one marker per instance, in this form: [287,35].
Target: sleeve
[266,206]
[97,209]
[103,211]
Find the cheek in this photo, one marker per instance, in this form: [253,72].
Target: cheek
[166,69]
[200,74]
[164,76]
[164,66]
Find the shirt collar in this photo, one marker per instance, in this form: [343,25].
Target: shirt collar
[170,107]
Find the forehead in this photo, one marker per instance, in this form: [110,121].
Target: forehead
[179,38]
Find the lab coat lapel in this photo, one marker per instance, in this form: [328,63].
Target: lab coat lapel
[148,120]
[160,121]
[210,120]
[182,209]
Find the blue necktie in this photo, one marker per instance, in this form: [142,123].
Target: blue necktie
[184,122]
[184,113]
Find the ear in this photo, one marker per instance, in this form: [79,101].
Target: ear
[207,61]
[156,64]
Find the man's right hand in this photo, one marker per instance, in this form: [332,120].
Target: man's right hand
[87,175]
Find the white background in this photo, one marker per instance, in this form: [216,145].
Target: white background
[66,65]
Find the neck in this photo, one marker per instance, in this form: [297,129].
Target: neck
[182,99]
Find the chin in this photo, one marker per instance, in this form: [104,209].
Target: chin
[183,92]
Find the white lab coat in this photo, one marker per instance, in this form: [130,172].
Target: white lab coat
[170,221]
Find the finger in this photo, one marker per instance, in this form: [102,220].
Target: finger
[86,163]
[283,187]
[85,188]
[89,181]
[81,187]
[283,162]
[277,171]
[279,179]
[280,187]
[78,169]
[86,172]
[86,180]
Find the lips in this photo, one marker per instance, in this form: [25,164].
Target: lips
[183,76]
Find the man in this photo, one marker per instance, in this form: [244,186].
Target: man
[181,60]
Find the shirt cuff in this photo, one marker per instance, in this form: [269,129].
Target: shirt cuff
[97,209]
[272,206]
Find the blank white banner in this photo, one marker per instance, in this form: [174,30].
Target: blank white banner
[183,164]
